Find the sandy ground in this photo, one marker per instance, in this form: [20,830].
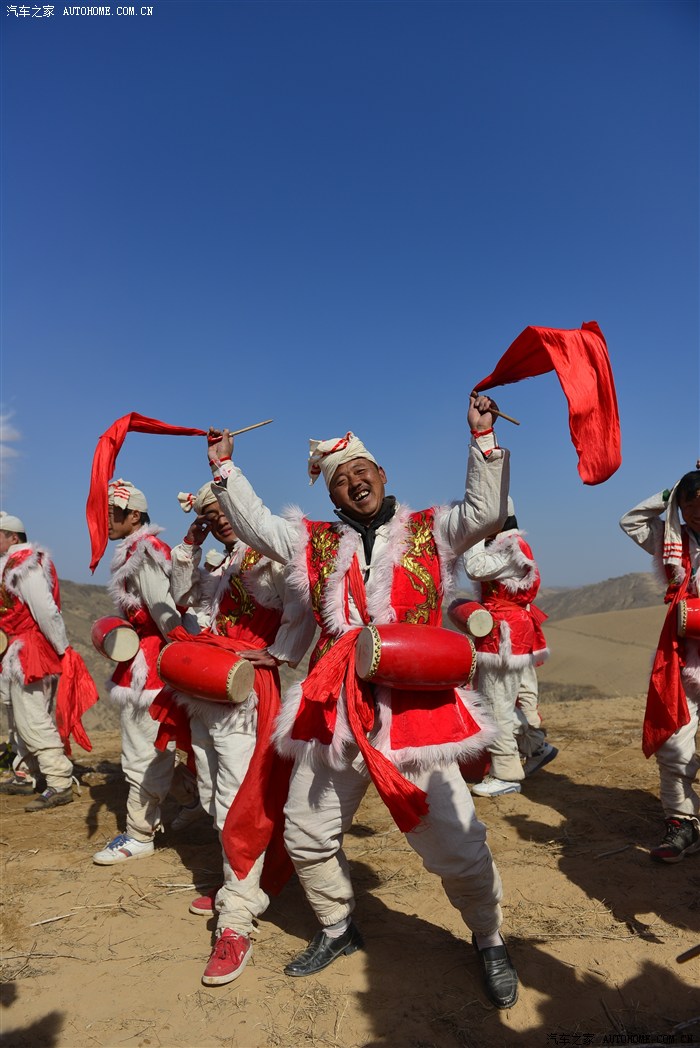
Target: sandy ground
[97,956]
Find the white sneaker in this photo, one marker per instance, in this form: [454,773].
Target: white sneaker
[123,847]
[186,816]
[538,760]
[490,786]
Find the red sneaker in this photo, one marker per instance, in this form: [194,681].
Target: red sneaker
[204,905]
[229,958]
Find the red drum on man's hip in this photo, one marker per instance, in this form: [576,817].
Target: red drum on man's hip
[470,617]
[4,643]
[414,658]
[115,638]
[206,672]
[689,617]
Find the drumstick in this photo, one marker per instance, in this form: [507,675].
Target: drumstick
[235,432]
[694,951]
[493,411]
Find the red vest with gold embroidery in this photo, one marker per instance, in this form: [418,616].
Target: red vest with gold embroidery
[240,616]
[36,655]
[416,590]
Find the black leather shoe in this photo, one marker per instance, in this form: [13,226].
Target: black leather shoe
[500,977]
[323,950]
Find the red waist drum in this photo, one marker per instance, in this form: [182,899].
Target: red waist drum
[4,643]
[419,658]
[206,672]
[470,617]
[115,638]
[689,617]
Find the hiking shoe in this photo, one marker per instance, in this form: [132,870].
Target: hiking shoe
[51,798]
[204,905]
[539,759]
[229,957]
[18,786]
[123,847]
[682,837]
[186,816]
[490,786]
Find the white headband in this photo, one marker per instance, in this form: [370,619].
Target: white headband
[326,455]
[10,523]
[204,497]
[122,493]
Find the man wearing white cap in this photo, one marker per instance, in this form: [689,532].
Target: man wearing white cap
[382,563]
[672,713]
[31,620]
[508,580]
[242,600]
[140,589]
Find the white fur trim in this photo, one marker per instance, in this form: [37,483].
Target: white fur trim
[124,566]
[690,674]
[507,543]
[133,694]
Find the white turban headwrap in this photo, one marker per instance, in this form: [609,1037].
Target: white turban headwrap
[204,497]
[10,523]
[122,493]
[326,455]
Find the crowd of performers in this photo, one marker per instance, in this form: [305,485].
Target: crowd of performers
[283,778]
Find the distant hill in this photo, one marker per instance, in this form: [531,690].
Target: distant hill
[637,590]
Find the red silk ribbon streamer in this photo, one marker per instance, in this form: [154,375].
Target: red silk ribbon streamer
[103,462]
[75,694]
[667,708]
[405,801]
[580,359]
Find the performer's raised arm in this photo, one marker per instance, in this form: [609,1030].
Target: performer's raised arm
[252,521]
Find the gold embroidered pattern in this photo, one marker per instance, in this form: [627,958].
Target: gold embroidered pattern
[324,543]
[421,548]
[239,605]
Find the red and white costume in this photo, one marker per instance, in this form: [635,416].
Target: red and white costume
[140,588]
[508,581]
[672,714]
[30,615]
[244,602]
[340,739]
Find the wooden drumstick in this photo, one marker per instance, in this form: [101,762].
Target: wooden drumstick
[235,432]
[694,951]
[500,414]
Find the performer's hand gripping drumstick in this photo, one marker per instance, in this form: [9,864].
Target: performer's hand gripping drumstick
[495,411]
[482,412]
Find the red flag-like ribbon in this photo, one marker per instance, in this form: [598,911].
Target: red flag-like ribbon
[103,462]
[580,359]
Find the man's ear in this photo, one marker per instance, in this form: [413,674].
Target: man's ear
[135,516]
[382,474]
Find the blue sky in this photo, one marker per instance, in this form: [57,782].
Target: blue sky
[339,215]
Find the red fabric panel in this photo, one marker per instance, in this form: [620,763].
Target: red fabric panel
[103,462]
[75,694]
[580,359]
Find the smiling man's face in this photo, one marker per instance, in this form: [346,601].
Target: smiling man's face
[357,488]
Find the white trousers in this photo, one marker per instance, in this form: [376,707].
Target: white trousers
[450,840]
[530,738]
[34,722]
[148,772]
[679,762]
[223,745]
[499,687]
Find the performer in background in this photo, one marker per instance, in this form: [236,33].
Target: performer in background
[671,718]
[37,655]
[508,580]
[140,589]
[380,563]
[245,605]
